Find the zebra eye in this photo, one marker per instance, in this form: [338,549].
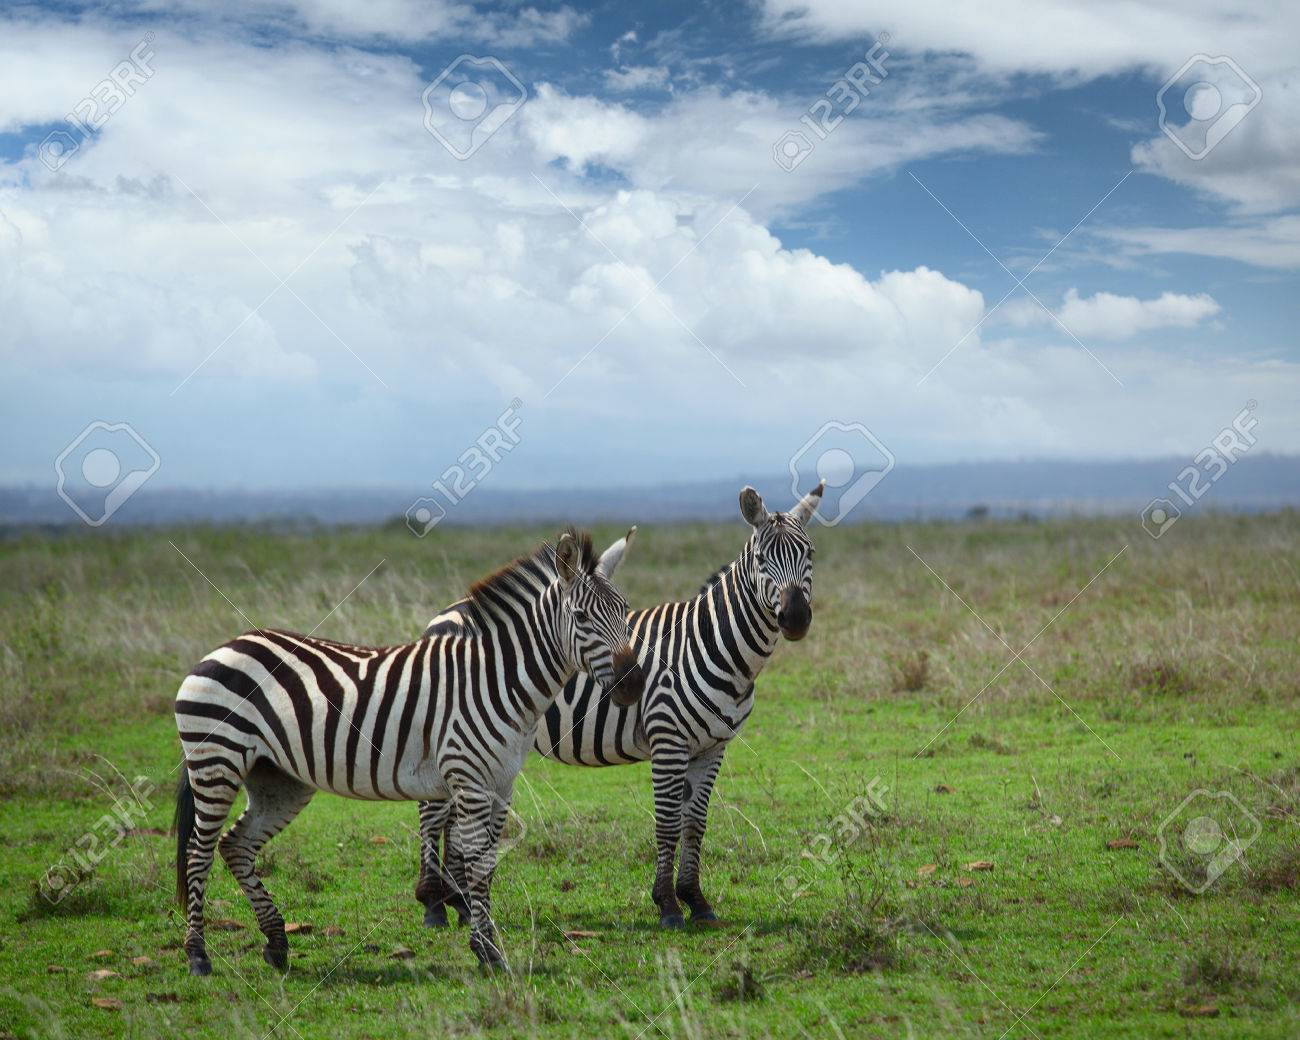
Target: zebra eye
[759,557]
[579,614]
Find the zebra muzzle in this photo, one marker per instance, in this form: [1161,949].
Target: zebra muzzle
[629,680]
[794,613]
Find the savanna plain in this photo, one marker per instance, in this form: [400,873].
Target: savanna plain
[1022,779]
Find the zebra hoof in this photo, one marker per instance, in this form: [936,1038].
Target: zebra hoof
[705,917]
[200,965]
[277,957]
[488,955]
[435,917]
[672,921]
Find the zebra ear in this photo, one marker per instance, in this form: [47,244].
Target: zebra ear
[613,556]
[566,559]
[751,506]
[808,504]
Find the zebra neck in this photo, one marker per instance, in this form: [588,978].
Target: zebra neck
[735,601]
[534,662]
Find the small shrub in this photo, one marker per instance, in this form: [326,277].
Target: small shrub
[1161,679]
[1220,970]
[1281,871]
[982,743]
[741,985]
[912,671]
[856,936]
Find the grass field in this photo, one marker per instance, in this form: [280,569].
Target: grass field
[899,746]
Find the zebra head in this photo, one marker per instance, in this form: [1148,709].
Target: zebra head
[779,556]
[594,616]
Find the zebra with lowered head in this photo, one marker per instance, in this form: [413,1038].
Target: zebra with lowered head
[443,720]
[701,658]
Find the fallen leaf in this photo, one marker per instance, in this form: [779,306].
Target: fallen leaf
[979,864]
[107,1003]
[578,933]
[379,839]
[1121,843]
[142,962]
[1199,1011]
[101,955]
[943,789]
[163,998]
[965,882]
[402,954]
[567,886]
[153,832]
[226,924]
[55,969]
[332,929]
[297,928]
[1054,820]
[100,974]
[927,870]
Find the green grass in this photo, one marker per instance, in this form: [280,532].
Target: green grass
[1174,671]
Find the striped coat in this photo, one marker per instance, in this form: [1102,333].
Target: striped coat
[444,719]
[701,658]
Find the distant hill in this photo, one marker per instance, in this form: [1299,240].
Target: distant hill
[999,489]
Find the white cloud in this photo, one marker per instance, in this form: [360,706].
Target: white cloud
[1257,167]
[637,77]
[459,279]
[1111,317]
[1265,242]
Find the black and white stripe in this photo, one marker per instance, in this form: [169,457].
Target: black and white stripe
[444,719]
[701,658]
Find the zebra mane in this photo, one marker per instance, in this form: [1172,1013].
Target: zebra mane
[715,577]
[527,573]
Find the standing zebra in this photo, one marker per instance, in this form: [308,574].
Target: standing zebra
[701,658]
[446,718]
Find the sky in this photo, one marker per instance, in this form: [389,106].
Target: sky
[309,243]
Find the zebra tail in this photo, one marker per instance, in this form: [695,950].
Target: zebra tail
[184,829]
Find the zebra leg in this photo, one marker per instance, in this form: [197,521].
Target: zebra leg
[431,887]
[214,789]
[480,817]
[274,799]
[668,773]
[700,776]
[457,880]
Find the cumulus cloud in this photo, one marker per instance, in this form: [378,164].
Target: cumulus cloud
[592,254]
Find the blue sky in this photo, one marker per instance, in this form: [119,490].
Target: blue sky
[623,254]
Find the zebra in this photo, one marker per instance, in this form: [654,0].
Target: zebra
[443,719]
[701,657]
